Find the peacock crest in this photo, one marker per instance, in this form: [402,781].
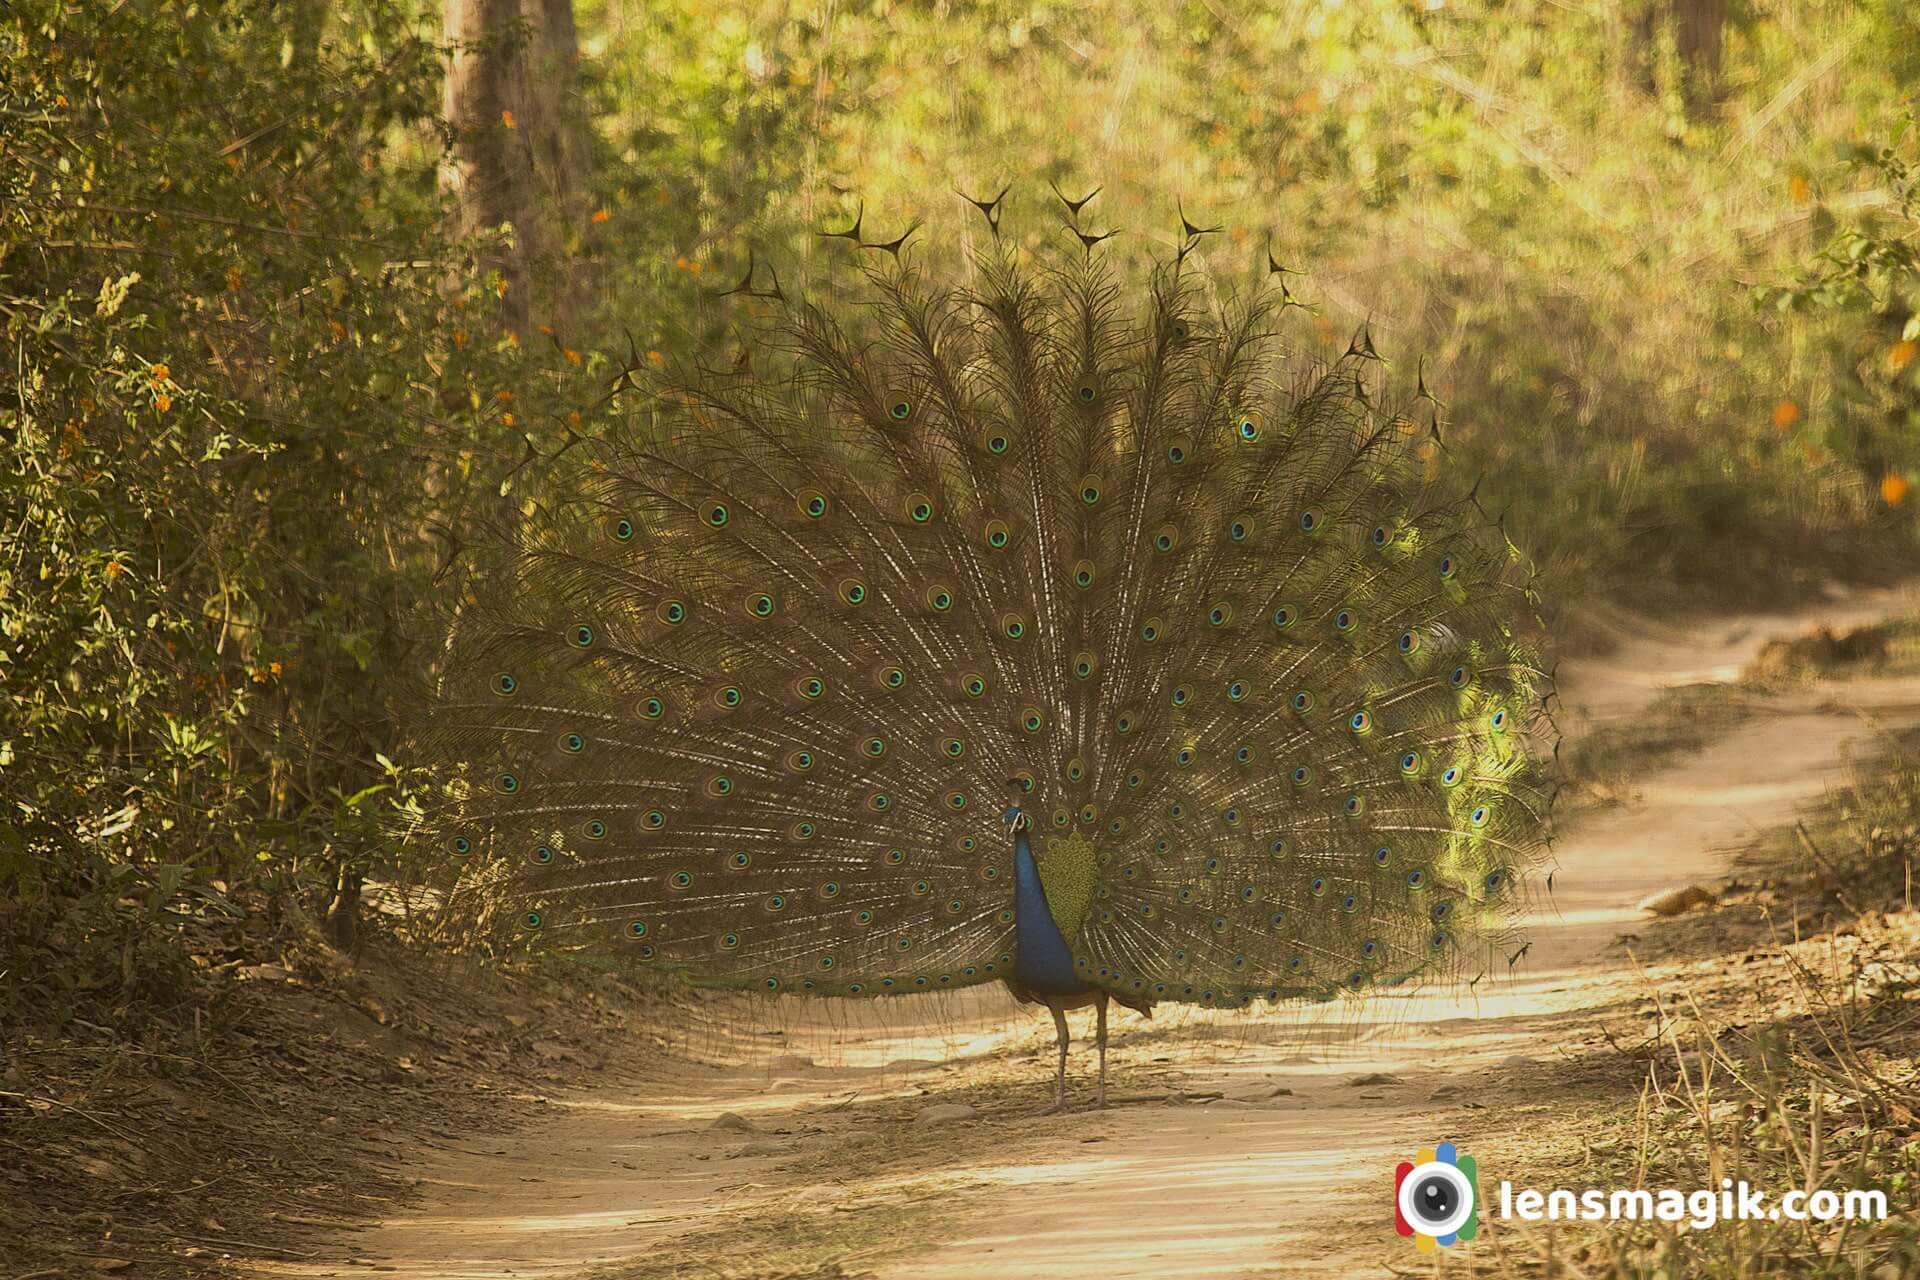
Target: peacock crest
[748,708]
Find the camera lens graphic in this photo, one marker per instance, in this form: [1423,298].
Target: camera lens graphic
[1436,1198]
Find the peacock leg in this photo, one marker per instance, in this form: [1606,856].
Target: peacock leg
[1060,1078]
[1100,1023]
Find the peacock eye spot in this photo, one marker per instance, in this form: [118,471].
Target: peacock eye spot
[673,613]
[508,783]
[893,678]
[1308,522]
[763,606]
[623,530]
[1150,633]
[637,928]
[1458,677]
[718,515]
[1408,642]
[876,747]
[921,512]
[1343,621]
[1237,531]
[1176,454]
[997,539]
[1410,762]
[997,444]
[1090,494]
[583,636]
[1086,393]
[462,845]
[573,744]
[816,506]
[901,410]
[533,920]
[813,688]
[1382,855]
[1283,617]
[1360,721]
[741,860]
[975,686]
[596,830]
[1379,535]
[655,819]
[1302,775]
[730,697]
[1248,430]
[1447,567]
[506,685]
[1303,701]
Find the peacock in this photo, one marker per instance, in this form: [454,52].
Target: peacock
[1053,625]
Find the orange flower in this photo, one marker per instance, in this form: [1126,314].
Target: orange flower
[573,418]
[601,215]
[459,337]
[501,288]
[504,395]
[163,402]
[1785,414]
[546,330]
[506,118]
[161,373]
[506,419]
[233,279]
[573,357]
[115,568]
[339,330]
[1799,188]
[654,357]
[1893,488]
[1901,354]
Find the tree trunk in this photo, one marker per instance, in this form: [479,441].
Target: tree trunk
[489,171]
[1699,28]
[557,131]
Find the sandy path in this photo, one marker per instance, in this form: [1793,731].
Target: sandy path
[1251,1184]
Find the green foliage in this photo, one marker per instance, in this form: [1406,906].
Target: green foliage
[242,392]
[1865,284]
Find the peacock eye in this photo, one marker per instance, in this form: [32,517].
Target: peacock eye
[919,509]
[853,591]
[901,410]
[1090,491]
[813,504]
[1248,429]
[1086,393]
[583,636]
[623,530]
[761,605]
[718,515]
[506,685]
[1283,617]
[998,534]
[673,612]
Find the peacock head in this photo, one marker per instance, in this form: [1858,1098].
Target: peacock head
[1016,820]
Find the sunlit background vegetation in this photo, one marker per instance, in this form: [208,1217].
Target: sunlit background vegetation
[265,387]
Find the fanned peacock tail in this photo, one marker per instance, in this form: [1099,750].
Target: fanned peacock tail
[750,708]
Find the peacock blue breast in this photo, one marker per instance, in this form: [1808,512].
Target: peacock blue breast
[1043,960]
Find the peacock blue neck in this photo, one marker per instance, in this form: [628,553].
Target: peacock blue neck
[1042,960]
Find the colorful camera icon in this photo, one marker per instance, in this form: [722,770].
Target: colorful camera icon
[1434,1197]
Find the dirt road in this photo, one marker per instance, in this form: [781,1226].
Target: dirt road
[1253,1145]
